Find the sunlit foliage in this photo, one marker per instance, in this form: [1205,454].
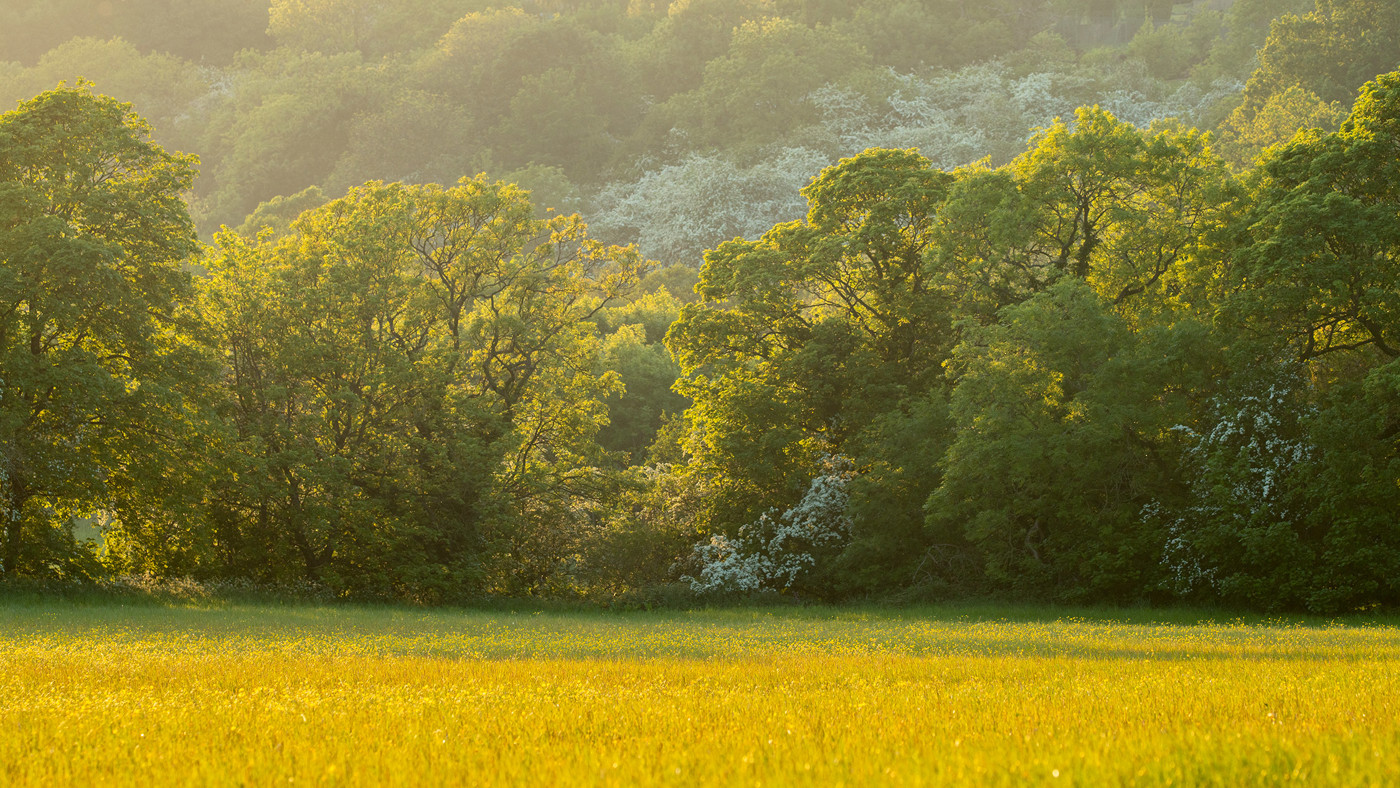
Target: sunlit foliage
[1003,317]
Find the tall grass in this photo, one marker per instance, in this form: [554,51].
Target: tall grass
[255,695]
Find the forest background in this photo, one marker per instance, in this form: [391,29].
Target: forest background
[1050,301]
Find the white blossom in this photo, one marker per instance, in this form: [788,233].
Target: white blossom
[1241,464]
[776,550]
[676,212]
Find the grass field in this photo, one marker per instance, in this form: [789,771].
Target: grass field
[103,694]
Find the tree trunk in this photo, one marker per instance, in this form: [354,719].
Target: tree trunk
[296,529]
[12,516]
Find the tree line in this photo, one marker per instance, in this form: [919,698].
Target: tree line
[1111,370]
[1132,361]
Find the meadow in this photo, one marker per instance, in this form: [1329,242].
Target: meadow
[233,694]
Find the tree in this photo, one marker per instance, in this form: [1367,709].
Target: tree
[1277,121]
[1062,421]
[163,89]
[1331,51]
[414,137]
[285,127]
[1291,509]
[276,215]
[806,337]
[414,388]
[205,30]
[561,116]
[487,59]
[1170,50]
[373,28]
[783,551]
[328,26]
[92,237]
[1351,495]
[1242,534]
[676,212]
[691,34]
[758,90]
[1322,251]
[1124,210]
[912,34]
[633,349]
[1328,53]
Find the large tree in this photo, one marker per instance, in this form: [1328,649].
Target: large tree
[1322,254]
[820,337]
[92,236]
[413,384]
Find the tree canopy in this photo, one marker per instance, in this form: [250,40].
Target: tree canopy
[92,294]
[1120,359]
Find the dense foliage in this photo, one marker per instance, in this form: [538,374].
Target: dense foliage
[1126,360]
[676,124]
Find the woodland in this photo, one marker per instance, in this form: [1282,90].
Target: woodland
[1074,301]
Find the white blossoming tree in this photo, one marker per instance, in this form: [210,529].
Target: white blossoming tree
[777,552]
[1239,535]
[676,212]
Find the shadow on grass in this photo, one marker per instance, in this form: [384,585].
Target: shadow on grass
[517,630]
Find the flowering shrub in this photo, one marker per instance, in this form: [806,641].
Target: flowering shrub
[776,550]
[1240,520]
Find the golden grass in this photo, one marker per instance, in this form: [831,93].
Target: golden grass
[106,695]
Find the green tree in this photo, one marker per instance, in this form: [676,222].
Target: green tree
[1328,52]
[806,336]
[211,31]
[277,214]
[1319,262]
[486,59]
[1169,51]
[410,136]
[1133,213]
[1291,492]
[1063,419]
[1289,508]
[1331,50]
[1277,121]
[161,88]
[92,237]
[330,26]
[691,34]
[911,34]
[1138,215]
[458,65]
[648,374]
[283,129]
[633,348]
[563,116]
[1242,535]
[757,91]
[1351,494]
[414,388]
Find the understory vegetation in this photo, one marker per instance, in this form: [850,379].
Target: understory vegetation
[1071,302]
